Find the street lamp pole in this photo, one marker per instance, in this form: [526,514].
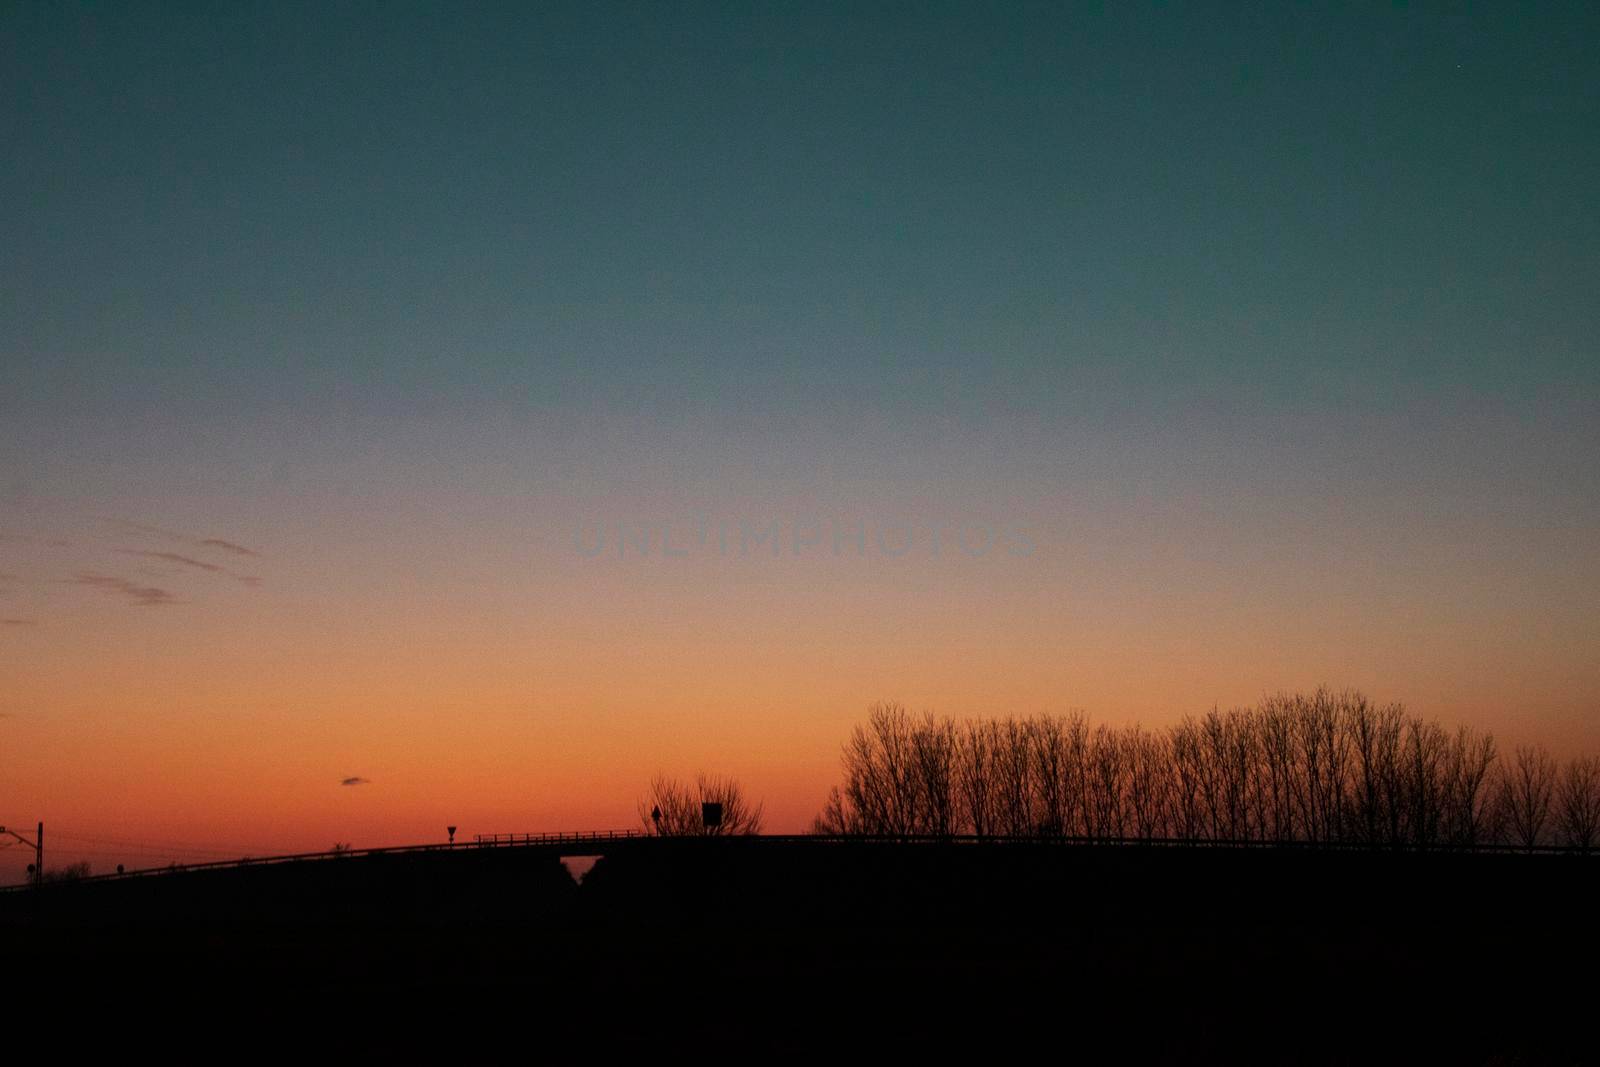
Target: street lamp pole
[37,844]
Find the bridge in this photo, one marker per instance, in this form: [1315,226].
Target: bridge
[608,842]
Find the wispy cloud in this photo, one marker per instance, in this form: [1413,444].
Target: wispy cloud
[229,546]
[232,547]
[173,557]
[144,596]
[189,561]
[356,781]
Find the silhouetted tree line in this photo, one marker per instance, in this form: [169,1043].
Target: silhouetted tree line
[1321,768]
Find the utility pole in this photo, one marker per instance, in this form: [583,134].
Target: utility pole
[37,844]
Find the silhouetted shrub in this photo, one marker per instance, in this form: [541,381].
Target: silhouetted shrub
[674,809]
[72,872]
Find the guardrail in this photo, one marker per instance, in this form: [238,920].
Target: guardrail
[248,861]
[480,841]
[555,838]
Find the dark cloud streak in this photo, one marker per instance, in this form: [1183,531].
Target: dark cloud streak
[219,543]
[173,557]
[144,596]
[188,561]
[229,546]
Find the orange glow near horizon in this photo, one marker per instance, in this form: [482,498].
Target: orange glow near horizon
[226,723]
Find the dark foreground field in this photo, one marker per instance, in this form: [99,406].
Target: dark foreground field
[738,949]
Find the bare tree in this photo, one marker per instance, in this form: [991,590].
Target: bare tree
[1188,781]
[1014,785]
[933,768]
[1376,810]
[669,809]
[673,809]
[1227,766]
[975,777]
[1107,776]
[1469,820]
[837,816]
[1149,789]
[1049,745]
[1526,790]
[1322,763]
[1286,794]
[1426,752]
[879,770]
[1578,803]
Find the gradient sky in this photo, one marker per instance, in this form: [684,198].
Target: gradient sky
[1133,361]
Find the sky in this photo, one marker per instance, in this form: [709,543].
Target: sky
[496,405]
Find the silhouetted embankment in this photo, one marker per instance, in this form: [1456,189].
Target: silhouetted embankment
[743,945]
